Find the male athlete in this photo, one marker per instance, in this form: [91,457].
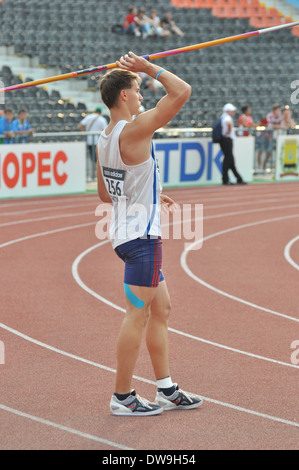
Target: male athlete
[128,176]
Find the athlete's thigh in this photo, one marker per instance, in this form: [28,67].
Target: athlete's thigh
[138,302]
[161,304]
[140,296]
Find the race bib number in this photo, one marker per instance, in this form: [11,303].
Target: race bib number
[114,180]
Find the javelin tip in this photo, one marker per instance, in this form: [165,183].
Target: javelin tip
[280,26]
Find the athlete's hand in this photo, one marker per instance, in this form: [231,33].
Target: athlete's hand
[132,62]
[167,201]
[136,63]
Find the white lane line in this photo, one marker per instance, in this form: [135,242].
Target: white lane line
[206,217]
[142,379]
[49,217]
[242,203]
[229,201]
[95,199]
[90,362]
[205,192]
[64,353]
[287,254]
[255,211]
[256,197]
[63,428]
[188,271]
[42,234]
[23,203]
[252,412]
[46,209]
[228,348]
[80,282]
[76,276]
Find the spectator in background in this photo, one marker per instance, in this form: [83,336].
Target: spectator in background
[274,118]
[265,139]
[263,144]
[6,123]
[168,23]
[245,121]
[287,120]
[274,122]
[226,144]
[21,127]
[129,26]
[156,25]
[92,123]
[143,23]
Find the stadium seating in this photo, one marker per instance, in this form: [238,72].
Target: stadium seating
[73,35]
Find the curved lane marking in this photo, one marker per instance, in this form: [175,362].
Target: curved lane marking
[287,254]
[107,368]
[76,276]
[142,379]
[189,272]
[63,428]
[43,234]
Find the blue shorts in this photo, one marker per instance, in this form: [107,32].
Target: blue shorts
[143,261]
[264,144]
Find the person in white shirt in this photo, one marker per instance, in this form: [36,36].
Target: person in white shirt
[226,144]
[93,122]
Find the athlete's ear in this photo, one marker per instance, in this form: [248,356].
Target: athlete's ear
[123,95]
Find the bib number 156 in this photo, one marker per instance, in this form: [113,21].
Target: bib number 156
[114,180]
[114,187]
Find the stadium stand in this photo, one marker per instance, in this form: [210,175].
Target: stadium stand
[73,35]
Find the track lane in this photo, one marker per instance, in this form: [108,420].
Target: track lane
[74,334]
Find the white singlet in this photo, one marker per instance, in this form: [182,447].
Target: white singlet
[134,190]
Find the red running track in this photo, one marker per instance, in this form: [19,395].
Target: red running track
[233,326]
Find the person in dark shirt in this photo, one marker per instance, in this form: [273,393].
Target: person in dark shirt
[169,23]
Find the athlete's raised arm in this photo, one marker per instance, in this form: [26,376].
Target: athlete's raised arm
[177,93]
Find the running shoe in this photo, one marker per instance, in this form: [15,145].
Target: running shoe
[179,400]
[134,405]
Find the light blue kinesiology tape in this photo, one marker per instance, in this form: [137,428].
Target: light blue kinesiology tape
[132,297]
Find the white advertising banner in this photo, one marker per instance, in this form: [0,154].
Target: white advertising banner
[287,158]
[42,169]
[60,168]
[195,162]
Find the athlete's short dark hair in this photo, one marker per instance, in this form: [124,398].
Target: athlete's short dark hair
[113,82]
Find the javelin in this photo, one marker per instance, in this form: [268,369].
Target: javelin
[102,68]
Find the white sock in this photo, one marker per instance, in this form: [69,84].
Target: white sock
[166,382]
